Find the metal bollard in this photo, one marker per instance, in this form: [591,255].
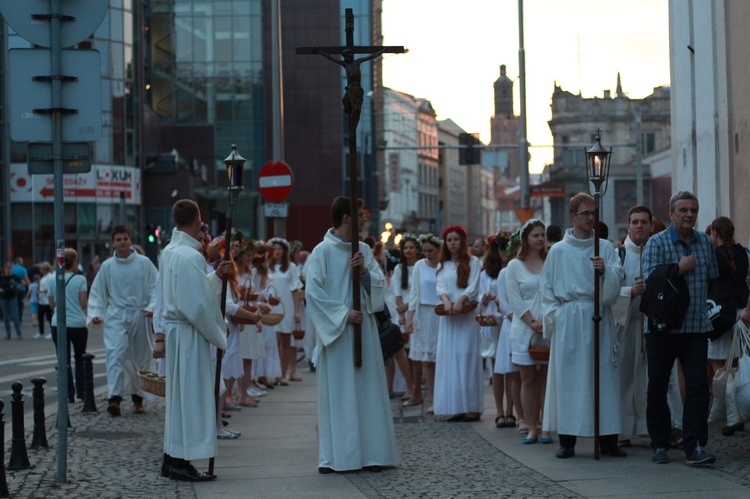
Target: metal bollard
[89,403]
[4,492]
[39,440]
[19,458]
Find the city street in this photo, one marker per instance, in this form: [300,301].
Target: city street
[277,453]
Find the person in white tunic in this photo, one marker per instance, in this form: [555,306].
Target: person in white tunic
[192,323]
[122,297]
[252,346]
[459,388]
[355,423]
[268,367]
[422,322]
[629,323]
[284,284]
[522,281]
[400,280]
[567,309]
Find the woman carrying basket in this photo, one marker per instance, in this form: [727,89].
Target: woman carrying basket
[459,390]
[522,281]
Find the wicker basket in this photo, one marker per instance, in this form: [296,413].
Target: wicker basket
[468,307]
[273,318]
[273,299]
[538,347]
[152,383]
[246,291]
[240,320]
[298,332]
[488,320]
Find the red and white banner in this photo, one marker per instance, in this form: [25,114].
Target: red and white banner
[103,184]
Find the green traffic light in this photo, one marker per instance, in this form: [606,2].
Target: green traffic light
[151,238]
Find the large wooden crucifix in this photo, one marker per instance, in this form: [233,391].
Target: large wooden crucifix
[353,99]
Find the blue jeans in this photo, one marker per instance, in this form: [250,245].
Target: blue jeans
[10,311]
[692,351]
[78,337]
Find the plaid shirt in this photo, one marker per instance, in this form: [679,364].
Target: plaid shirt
[667,247]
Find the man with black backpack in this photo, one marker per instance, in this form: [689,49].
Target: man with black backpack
[692,252]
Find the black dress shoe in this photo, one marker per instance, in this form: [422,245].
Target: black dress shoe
[188,473]
[165,465]
[325,471]
[373,468]
[612,450]
[457,418]
[565,452]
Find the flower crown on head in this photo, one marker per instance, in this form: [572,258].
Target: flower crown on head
[279,240]
[529,223]
[391,256]
[295,246]
[513,245]
[454,228]
[260,249]
[409,237]
[247,245]
[500,239]
[430,238]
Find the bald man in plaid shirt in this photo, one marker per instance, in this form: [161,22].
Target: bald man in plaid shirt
[693,251]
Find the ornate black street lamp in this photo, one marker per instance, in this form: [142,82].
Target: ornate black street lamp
[235,164]
[597,174]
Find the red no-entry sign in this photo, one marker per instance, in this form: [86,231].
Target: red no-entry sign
[275,181]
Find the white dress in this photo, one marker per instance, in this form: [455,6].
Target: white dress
[355,422]
[567,306]
[252,345]
[458,369]
[284,284]
[490,334]
[503,363]
[422,300]
[269,365]
[397,291]
[523,295]
[231,362]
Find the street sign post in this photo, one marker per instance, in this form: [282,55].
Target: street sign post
[76,158]
[276,210]
[275,181]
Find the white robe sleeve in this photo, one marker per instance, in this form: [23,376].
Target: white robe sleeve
[198,296]
[442,287]
[550,303]
[152,275]
[414,288]
[611,281]
[97,299]
[374,301]
[472,289]
[159,325]
[327,313]
[501,292]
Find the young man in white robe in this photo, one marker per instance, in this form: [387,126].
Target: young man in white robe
[355,424]
[629,324]
[567,287]
[192,321]
[122,297]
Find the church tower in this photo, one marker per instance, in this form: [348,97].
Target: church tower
[503,95]
[504,126]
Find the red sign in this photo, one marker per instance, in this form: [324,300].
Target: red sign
[548,191]
[275,181]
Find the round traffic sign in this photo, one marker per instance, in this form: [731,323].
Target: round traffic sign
[88,16]
[275,181]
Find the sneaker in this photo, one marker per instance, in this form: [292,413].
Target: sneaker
[660,456]
[254,392]
[48,336]
[700,456]
[38,336]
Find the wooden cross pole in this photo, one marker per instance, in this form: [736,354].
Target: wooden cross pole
[353,99]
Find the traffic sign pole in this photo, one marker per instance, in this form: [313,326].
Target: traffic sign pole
[275,182]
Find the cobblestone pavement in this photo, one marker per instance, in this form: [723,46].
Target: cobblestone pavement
[107,458]
[451,460]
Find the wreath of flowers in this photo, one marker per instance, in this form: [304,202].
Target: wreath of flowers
[409,237]
[529,223]
[279,240]
[455,228]
[430,238]
[500,239]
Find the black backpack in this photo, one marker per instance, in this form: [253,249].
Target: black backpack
[666,299]
[9,286]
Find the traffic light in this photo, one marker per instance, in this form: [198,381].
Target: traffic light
[469,153]
[152,234]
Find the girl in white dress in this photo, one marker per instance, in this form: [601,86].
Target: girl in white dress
[400,280]
[232,368]
[422,322]
[459,390]
[268,367]
[522,280]
[506,384]
[285,279]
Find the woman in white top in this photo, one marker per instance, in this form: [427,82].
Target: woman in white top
[506,383]
[422,322]
[459,391]
[267,368]
[400,280]
[522,280]
[285,279]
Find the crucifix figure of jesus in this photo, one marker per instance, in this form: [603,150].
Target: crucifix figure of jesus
[353,99]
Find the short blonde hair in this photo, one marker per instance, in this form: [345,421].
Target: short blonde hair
[577,200]
[71,256]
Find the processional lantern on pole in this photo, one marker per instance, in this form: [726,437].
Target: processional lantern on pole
[597,174]
[235,165]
